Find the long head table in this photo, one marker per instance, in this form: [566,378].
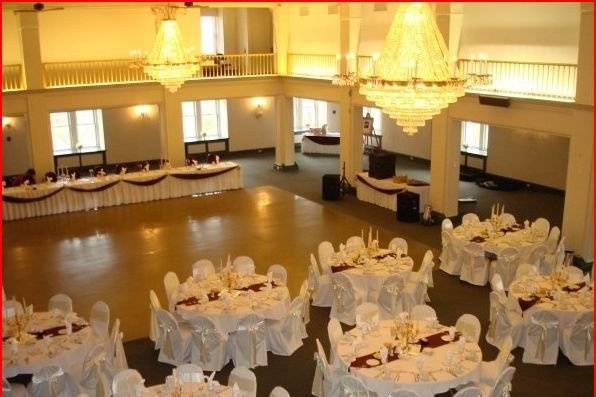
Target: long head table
[382,192]
[137,187]
[321,144]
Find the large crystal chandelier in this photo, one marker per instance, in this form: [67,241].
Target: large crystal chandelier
[169,62]
[414,76]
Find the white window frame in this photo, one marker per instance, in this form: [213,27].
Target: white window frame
[221,110]
[320,116]
[482,130]
[74,133]
[377,116]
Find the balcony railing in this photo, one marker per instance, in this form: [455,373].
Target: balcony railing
[12,78]
[124,71]
[312,65]
[548,81]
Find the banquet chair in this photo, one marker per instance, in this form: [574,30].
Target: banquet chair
[249,342]
[469,391]
[320,285]
[367,314]
[245,379]
[474,268]
[537,256]
[335,334]
[279,274]
[349,385]
[507,219]
[525,270]
[400,244]
[61,302]
[491,370]
[115,350]
[427,266]
[171,284]
[503,386]
[11,308]
[98,373]
[13,389]
[354,243]
[446,224]
[422,313]
[469,326]
[496,284]
[541,227]
[285,336]
[208,344]
[305,295]
[451,255]
[189,373]
[470,219]
[344,299]
[390,297]
[577,340]
[202,269]
[325,251]
[244,265]
[503,322]
[279,391]
[416,289]
[554,260]
[541,341]
[505,266]
[574,274]
[325,374]
[175,348]
[154,331]
[52,381]
[128,383]
[553,239]
[100,319]
[403,393]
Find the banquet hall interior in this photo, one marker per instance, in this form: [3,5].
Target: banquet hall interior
[279,199]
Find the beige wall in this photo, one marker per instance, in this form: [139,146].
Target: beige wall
[247,131]
[11,39]
[333,117]
[16,158]
[316,33]
[260,30]
[395,140]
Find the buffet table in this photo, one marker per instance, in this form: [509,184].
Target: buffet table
[382,192]
[321,144]
[137,187]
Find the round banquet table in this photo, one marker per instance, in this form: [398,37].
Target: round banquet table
[401,372]
[367,270]
[566,300]
[204,297]
[47,344]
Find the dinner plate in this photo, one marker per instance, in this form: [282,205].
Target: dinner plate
[446,338]
[372,362]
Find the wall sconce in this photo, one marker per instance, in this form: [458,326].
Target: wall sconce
[259,107]
[142,111]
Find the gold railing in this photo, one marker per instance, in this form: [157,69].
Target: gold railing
[124,71]
[551,81]
[312,65]
[12,78]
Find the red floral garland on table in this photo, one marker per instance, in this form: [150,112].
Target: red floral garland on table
[323,139]
[146,183]
[386,191]
[26,200]
[202,176]
[97,189]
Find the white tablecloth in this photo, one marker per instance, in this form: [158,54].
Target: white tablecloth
[365,192]
[87,193]
[271,305]
[309,146]
[66,351]
[199,389]
[440,379]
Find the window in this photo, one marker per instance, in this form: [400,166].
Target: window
[377,116]
[309,113]
[80,128]
[474,137]
[205,119]
[210,32]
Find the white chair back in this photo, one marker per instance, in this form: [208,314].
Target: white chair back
[507,219]
[553,239]
[154,332]
[117,356]
[11,308]
[542,338]
[344,299]
[250,342]
[538,255]
[426,268]
[470,391]
[399,244]
[503,386]
[279,391]
[172,344]
[470,219]
[335,334]
[541,227]
[321,371]
[349,385]
[390,296]
[97,372]
[171,284]
[504,358]
[52,381]
[202,269]
[525,270]
[354,243]
[189,373]
[403,393]
[305,295]
[313,274]
[446,224]
[279,274]
[367,315]
[244,265]
[208,344]
[60,302]
[325,252]
[475,265]
[100,319]
[422,313]
[128,383]
[574,274]
[578,341]
[469,326]
[496,284]
[245,379]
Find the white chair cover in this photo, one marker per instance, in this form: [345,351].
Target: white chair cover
[578,340]
[349,386]
[426,268]
[446,224]
[279,274]
[285,336]
[541,344]
[13,389]
[469,326]
[320,285]
[496,284]
[325,252]
[52,381]
[11,308]
[538,256]
[475,265]
[98,372]
[367,315]
[325,375]
[574,274]
[491,370]
[209,345]
[244,265]
[470,219]
[553,239]
[390,296]
[245,379]
[525,269]
[61,302]
[354,243]
[451,255]
[279,391]
[171,284]
[202,269]
[422,312]
[507,219]
[128,383]
[403,393]
[305,295]
[100,319]
[399,244]
[189,373]
[249,342]
[554,260]
[506,265]
[115,350]
[470,391]
[540,227]
[503,386]
[154,331]
[175,348]
[416,290]
[503,322]
[344,299]
[335,334]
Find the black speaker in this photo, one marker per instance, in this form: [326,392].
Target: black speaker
[381,165]
[408,207]
[331,187]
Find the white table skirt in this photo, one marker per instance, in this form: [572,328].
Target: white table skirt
[389,201]
[197,390]
[118,190]
[308,146]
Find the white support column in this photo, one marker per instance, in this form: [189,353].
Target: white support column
[350,146]
[40,135]
[285,155]
[281,37]
[31,50]
[172,136]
